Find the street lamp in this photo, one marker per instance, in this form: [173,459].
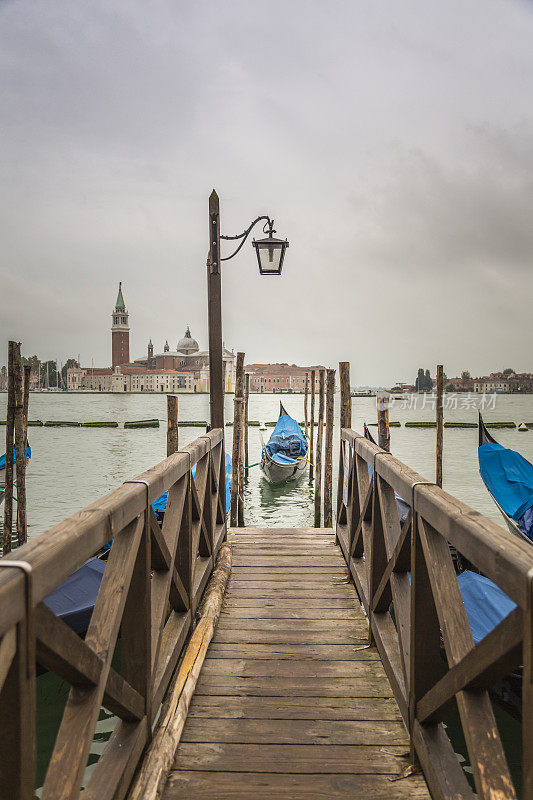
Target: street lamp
[270,256]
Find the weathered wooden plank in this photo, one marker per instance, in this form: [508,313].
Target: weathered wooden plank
[344,626]
[306,668]
[326,604]
[269,612]
[290,570]
[258,786]
[298,591]
[293,687]
[294,731]
[356,635]
[313,708]
[295,652]
[290,758]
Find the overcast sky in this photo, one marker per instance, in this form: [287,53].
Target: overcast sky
[391,142]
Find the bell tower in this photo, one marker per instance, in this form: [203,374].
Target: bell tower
[120,332]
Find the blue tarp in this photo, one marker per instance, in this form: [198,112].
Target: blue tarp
[3,458]
[161,503]
[486,605]
[73,600]
[509,478]
[287,442]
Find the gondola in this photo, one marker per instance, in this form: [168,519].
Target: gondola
[283,457]
[508,477]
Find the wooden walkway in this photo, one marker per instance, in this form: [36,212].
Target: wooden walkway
[291,701]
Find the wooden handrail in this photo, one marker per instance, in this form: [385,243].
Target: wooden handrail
[410,573]
[180,555]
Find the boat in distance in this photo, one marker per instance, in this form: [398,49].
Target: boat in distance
[283,457]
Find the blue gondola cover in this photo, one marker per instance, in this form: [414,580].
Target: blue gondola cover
[287,442]
[509,478]
[160,504]
[485,603]
[73,600]
[3,458]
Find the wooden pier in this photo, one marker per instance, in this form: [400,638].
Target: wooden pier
[292,701]
[337,660]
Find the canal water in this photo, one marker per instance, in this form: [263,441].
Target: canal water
[71,467]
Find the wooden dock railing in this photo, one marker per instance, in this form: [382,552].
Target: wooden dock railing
[131,601]
[405,578]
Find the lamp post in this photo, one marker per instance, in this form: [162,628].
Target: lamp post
[270,256]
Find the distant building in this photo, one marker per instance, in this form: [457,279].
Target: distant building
[278,378]
[184,369]
[120,332]
[490,385]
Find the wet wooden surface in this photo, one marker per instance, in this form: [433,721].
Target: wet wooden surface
[291,702]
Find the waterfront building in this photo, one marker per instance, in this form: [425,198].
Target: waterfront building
[120,332]
[280,378]
[185,369]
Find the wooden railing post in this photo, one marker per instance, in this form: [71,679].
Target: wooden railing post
[527,696]
[136,626]
[424,648]
[17,701]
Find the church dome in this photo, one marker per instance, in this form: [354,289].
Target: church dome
[187,344]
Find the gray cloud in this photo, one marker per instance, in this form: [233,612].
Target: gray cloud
[392,144]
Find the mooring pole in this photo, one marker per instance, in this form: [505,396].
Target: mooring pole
[440,424]
[382,401]
[10,440]
[346,397]
[237,433]
[214,300]
[306,409]
[312,427]
[172,424]
[246,401]
[319,440]
[20,445]
[328,451]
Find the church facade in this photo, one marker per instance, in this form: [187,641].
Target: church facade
[185,369]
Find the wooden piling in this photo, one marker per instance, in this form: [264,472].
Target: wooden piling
[318,457]
[312,428]
[382,400]
[172,424]
[328,450]
[26,399]
[10,440]
[306,409]
[246,400]
[346,397]
[237,435]
[20,445]
[440,424]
